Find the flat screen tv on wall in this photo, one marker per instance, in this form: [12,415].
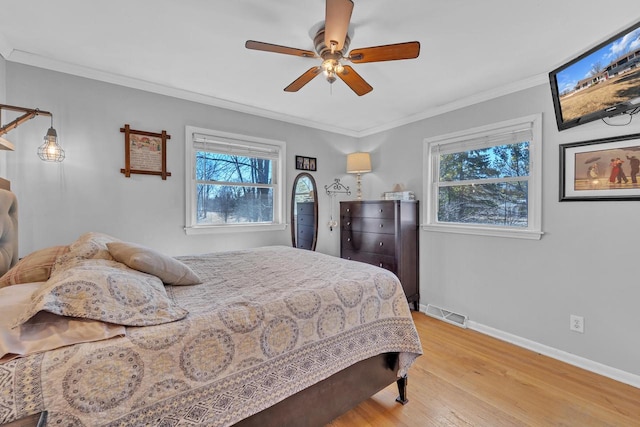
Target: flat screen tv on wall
[602,82]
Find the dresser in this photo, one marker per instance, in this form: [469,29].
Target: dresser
[305,225]
[383,233]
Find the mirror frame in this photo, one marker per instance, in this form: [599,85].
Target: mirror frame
[293,209]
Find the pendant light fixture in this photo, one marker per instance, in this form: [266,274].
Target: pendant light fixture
[50,151]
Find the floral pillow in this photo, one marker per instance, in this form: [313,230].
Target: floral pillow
[35,267]
[44,331]
[91,245]
[105,290]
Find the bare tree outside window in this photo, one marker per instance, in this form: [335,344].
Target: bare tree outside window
[233,189]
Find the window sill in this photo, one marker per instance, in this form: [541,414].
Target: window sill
[240,228]
[485,231]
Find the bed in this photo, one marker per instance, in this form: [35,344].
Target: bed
[266,336]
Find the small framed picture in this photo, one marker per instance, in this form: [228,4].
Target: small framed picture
[306,163]
[601,169]
[145,152]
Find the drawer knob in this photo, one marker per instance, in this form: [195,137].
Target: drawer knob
[348,210]
[348,239]
[381,243]
[348,222]
[348,257]
[381,211]
[380,265]
[381,225]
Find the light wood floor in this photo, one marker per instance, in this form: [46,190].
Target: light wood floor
[466,378]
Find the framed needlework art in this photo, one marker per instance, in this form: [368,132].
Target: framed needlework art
[145,152]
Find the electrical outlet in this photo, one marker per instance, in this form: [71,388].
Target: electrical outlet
[576,323]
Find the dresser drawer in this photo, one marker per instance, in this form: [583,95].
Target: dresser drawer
[304,244]
[368,210]
[383,244]
[305,208]
[369,225]
[305,232]
[384,261]
[308,220]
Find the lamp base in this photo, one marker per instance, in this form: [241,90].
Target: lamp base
[359,186]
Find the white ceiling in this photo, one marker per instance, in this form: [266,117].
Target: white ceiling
[194,49]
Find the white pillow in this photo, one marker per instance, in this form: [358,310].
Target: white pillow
[168,269]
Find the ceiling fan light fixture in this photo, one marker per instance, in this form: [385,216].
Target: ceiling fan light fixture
[331,44]
[331,68]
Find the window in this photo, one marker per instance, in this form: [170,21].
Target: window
[233,183]
[486,180]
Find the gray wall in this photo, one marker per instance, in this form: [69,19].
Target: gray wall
[584,264]
[87,192]
[3,79]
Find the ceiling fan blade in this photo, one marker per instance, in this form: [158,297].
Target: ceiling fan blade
[390,52]
[268,47]
[303,79]
[336,22]
[354,81]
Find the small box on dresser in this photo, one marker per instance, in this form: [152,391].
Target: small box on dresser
[383,233]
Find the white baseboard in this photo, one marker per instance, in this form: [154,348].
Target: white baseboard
[563,356]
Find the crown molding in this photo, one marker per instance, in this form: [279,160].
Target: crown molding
[461,103]
[5,47]
[38,61]
[27,58]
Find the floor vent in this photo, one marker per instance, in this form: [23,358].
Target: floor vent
[448,316]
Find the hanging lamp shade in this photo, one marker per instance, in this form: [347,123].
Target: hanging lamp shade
[50,150]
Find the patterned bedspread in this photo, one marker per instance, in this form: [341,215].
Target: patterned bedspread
[265,324]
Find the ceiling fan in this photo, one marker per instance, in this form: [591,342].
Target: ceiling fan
[331,44]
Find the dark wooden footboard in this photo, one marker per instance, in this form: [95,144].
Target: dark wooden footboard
[332,397]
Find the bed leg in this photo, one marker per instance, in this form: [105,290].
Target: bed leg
[402,389]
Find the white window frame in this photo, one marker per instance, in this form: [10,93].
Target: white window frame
[476,138]
[193,137]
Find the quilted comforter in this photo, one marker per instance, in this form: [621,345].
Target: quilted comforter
[264,324]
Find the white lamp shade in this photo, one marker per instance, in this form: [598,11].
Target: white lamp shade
[358,163]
